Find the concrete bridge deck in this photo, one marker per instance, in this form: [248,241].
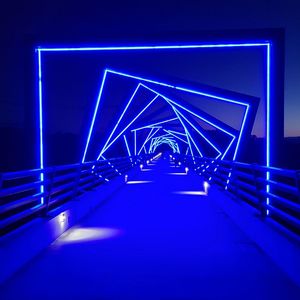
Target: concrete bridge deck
[146,241]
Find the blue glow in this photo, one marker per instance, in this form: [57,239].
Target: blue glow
[268,102]
[199,117]
[138,182]
[185,129]
[177,132]
[195,145]
[207,121]
[268,159]
[135,143]
[126,143]
[41,141]
[164,139]
[210,143]
[241,132]
[124,111]
[94,117]
[158,47]
[176,136]
[177,87]
[224,154]
[148,138]
[109,145]
[152,125]
[150,47]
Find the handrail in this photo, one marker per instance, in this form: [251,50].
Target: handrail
[277,198]
[23,195]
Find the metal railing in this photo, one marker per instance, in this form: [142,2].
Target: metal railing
[23,195]
[277,197]
[27,194]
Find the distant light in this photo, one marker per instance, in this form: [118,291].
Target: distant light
[176,173]
[138,182]
[192,193]
[148,161]
[62,220]
[126,178]
[141,166]
[186,170]
[206,185]
[62,217]
[179,163]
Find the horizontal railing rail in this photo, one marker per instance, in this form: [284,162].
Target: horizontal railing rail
[275,196]
[30,193]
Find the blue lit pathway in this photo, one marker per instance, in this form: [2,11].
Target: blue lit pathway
[148,242]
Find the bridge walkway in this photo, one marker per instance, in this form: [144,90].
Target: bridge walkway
[147,241]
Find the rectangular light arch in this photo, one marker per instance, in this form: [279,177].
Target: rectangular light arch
[265,44]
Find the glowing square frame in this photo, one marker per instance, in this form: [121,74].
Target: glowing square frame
[140,79]
[39,50]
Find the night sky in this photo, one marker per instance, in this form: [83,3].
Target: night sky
[28,23]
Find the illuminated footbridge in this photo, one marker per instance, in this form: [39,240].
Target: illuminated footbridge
[164,192]
[158,231]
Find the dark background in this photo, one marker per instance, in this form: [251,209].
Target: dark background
[28,23]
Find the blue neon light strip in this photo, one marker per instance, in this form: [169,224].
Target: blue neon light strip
[177,132]
[168,141]
[185,129]
[215,97]
[205,120]
[118,48]
[225,131]
[126,143]
[268,159]
[201,118]
[94,117]
[175,136]
[145,141]
[154,124]
[135,143]
[203,136]
[187,151]
[176,87]
[42,189]
[149,137]
[188,134]
[117,124]
[150,47]
[109,145]
[241,132]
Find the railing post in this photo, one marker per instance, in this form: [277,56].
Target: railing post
[259,197]
[232,178]
[49,176]
[77,181]
[1,180]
